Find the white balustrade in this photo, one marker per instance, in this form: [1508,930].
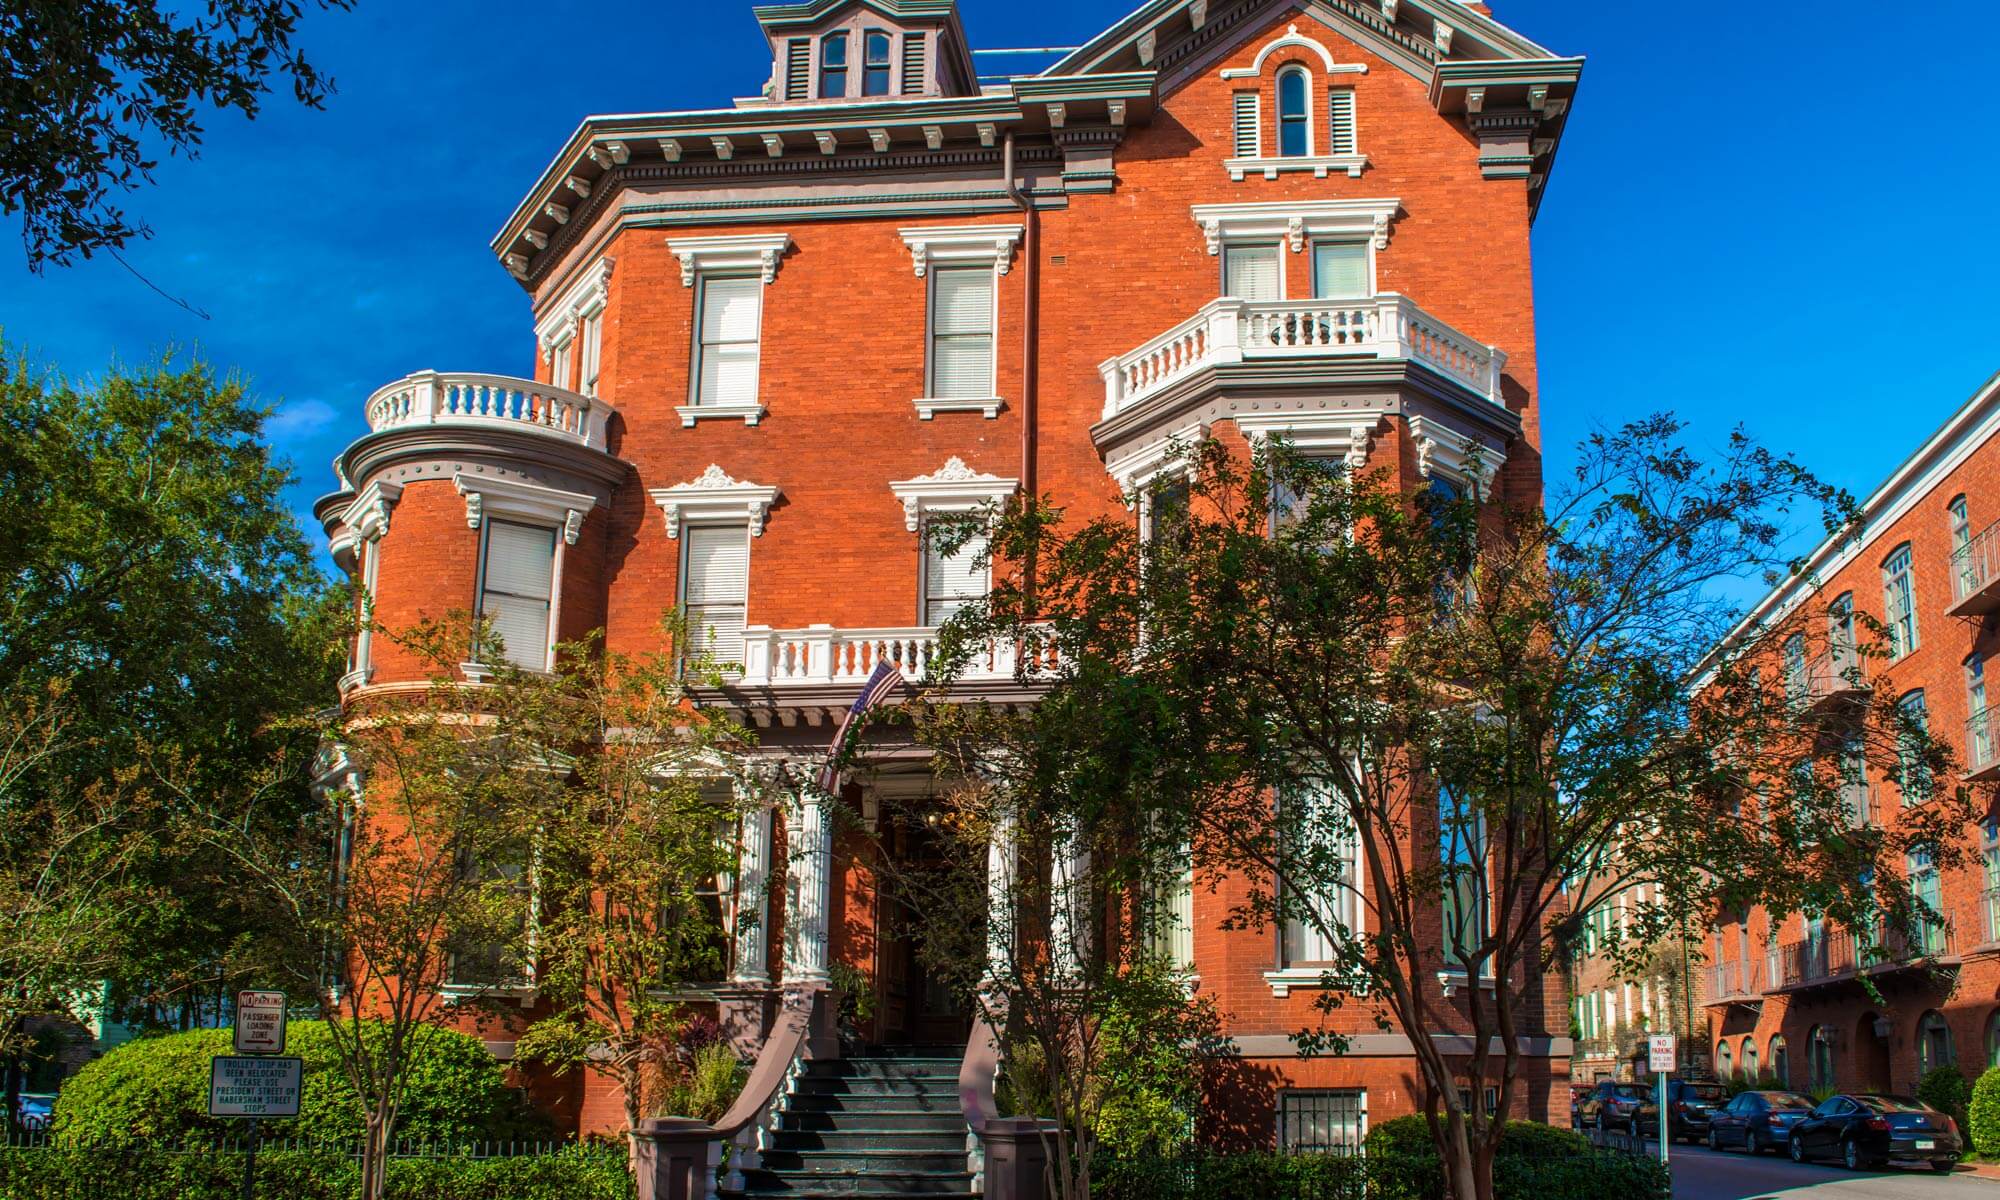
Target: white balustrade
[459,398]
[821,654]
[1230,330]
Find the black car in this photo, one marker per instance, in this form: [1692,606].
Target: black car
[1757,1121]
[1624,1107]
[1690,1104]
[1867,1130]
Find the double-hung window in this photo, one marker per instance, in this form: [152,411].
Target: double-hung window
[1340,270]
[560,360]
[961,350]
[715,588]
[1252,272]
[1980,743]
[730,315]
[1928,931]
[875,65]
[953,580]
[1961,548]
[590,332]
[833,66]
[1796,686]
[1294,109]
[516,592]
[1913,773]
[1323,856]
[1462,858]
[364,641]
[1899,601]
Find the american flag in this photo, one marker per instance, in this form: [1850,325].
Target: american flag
[883,680]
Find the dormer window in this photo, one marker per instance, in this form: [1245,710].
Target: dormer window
[875,65]
[1294,131]
[833,66]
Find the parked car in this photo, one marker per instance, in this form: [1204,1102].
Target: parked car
[1578,1092]
[1868,1130]
[1690,1104]
[34,1111]
[1624,1107]
[1757,1121]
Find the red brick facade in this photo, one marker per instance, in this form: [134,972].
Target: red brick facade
[1115,147]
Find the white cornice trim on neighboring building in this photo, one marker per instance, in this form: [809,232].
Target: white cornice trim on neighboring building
[952,488]
[1444,452]
[1292,37]
[1296,220]
[759,252]
[1346,433]
[1975,423]
[961,244]
[486,496]
[582,299]
[714,496]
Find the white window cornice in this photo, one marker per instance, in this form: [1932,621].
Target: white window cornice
[583,298]
[367,515]
[1296,220]
[714,496]
[1444,452]
[1173,453]
[967,245]
[486,497]
[1348,434]
[1292,37]
[952,488]
[744,252]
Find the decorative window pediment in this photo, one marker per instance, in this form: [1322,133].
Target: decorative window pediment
[952,488]
[759,252]
[714,496]
[1317,434]
[1172,454]
[1292,37]
[585,298]
[1314,126]
[971,245]
[367,517]
[1296,221]
[486,497]
[1443,452]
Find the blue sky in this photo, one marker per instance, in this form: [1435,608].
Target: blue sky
[1781,216]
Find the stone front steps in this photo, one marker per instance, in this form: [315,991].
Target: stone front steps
[883,1126]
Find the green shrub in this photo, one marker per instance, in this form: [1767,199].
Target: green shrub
[157,1088]
[1202,1176]
[1534,1162]
[708,1087]
[1985,1113]
[136,1173]
[1945,1089]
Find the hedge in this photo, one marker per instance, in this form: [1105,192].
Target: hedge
[136,1173]
[1200,1175]
[1985,1131]
[1945,1089]
[157,1088]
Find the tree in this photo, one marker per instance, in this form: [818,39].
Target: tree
[634,822]
[1430,710]
[161,628]
[94,87]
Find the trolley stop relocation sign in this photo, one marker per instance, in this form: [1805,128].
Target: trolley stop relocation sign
[260,1022]
[1660,1047]
[253,1087]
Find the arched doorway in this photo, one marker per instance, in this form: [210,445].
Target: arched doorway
[1871,1053]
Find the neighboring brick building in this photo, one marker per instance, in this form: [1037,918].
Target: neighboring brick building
[1612,1010]
[1785,997]
[774,339]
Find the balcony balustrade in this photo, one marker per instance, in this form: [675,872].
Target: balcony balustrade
[820,655]
[1737,982]
[1387,326]
[1975,575]
[492,401]
[1833,955]
[1837,674]
[1982,744]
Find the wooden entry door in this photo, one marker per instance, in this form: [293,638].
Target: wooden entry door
[917,1008]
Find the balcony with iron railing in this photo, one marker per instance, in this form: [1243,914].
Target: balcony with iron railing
[1982,744]
[1838,674]
[499,402]
[1834,956]
[1228,330]
[1740,981]
[1975,575]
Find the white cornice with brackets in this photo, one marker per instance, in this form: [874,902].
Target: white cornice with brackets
[367,517]
[759,252]
[952,488]
[1348,434]
[970,245]
[584,298]
[1295,221]
[1172,453]
[1445,452]
[714,496]
[486,496]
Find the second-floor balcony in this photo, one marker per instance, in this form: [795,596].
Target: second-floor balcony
[1975,575]
[1228,330]
[466,399]
[1835,956]
[819,661]
[1982,744]
[1835,675]
[1739,981]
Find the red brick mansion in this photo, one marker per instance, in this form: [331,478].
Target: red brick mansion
[777,336]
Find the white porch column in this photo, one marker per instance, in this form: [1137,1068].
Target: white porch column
[1069,900]
[1000,868]
[753,898]
[808,883]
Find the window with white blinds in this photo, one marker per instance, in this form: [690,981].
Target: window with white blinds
[1249,109]
[715,585]
[952,580]
[1251,273]
[962,332]
[1321,841]
[1340,270]
[590,332]
[515,590]
[730,311]
[1340,121]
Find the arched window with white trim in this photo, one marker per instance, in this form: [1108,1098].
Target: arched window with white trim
[1294,113]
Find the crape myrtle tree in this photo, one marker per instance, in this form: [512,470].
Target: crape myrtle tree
[636,827]
[1406,719]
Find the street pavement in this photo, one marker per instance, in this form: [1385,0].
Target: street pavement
[1704,1174]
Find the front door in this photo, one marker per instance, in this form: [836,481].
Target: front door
[918,1007]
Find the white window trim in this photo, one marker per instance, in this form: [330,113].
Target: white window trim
[363,668]
[1315,434]
[1296,221]
[1271,165]
[952,488]
[731,254]
[586,297]
[1306,116]
[1445,453]
[531,504]
[1171,453]
[714,497]
[959,246]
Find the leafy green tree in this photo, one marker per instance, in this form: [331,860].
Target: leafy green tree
[1430,710]
[95,87]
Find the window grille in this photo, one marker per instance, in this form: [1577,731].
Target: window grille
[1322,1120]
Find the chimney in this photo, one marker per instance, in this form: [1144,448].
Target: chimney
[1483,10]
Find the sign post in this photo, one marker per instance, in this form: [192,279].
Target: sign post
[254,1082]
[1660,1050]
